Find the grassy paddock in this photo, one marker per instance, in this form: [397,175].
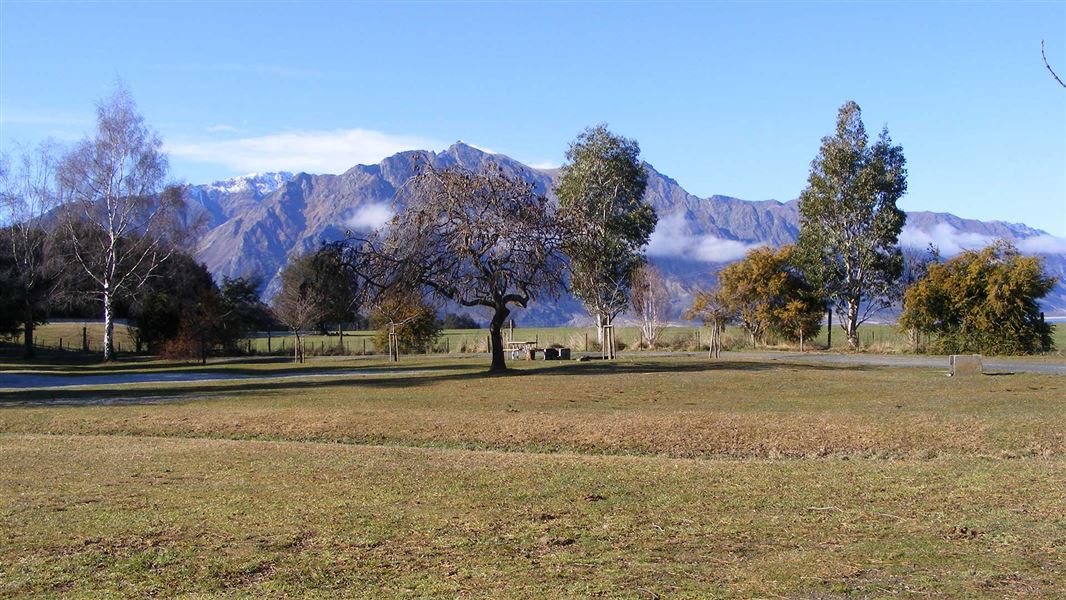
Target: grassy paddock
[873,336]
[670,477]
[257,518]
[667,406]
[881,337]
[69,335]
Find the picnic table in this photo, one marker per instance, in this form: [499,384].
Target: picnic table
[518,347]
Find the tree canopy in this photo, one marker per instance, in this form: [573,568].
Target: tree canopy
[982,301]
[300,304]
[849,221]
[32,268]
[339,290]
[117,221]
[410,317]
[476,238]
[766,292]
[607,221]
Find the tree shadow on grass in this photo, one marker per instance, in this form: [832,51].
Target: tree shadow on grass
[237,366]
[418,376]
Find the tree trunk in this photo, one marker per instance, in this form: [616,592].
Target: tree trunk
[852,325]
[27,330]
[499,363]
[713,350]
[599,329]
[109,327]
[607,344]
[296,348]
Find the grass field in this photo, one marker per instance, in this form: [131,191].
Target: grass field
[69,335]
[649,477]
[874,337]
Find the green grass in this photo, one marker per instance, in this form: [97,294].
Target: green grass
[649,476]
[221,517]
[69,335]
[874,337]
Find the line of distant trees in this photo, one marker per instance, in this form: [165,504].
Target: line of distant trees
[97,228]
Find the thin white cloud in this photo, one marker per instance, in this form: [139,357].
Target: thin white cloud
[42,116]
[544,165]
[271,70]
[222,128]
[369,217]
[951,241]
[674,238]
[311,151]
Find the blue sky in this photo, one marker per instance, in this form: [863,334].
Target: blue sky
[727,98]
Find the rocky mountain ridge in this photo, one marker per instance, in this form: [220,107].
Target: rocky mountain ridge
[255,223]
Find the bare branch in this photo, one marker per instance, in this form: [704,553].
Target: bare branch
[474,238]
[1050,70]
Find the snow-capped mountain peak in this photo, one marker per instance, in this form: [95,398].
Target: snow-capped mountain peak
[262,183]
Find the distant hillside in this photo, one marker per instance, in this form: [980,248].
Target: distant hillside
[255,223]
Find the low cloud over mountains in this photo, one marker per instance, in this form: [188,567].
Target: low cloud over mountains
[257,222]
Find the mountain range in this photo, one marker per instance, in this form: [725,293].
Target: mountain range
[255,223]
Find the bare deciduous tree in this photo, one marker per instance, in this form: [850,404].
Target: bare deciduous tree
[300,304]
[716,313]
[118,224]
[475,238]
[650,302]
[27,199]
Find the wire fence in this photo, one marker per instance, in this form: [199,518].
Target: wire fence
[87,337]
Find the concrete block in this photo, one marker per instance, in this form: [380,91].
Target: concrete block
[964,364]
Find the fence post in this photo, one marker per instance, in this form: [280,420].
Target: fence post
[85,339]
